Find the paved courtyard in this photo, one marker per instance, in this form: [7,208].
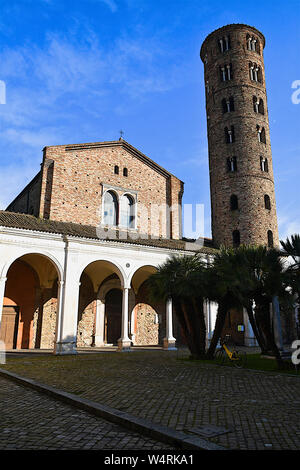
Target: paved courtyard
[255,410]
[32,421]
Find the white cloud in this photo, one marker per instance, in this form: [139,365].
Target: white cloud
[288,223]
[111,4]
[64,87]
[39,79]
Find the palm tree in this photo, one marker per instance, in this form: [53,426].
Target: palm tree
[291,248]
[265,280]
[223,287]
[183,279]
[242,277]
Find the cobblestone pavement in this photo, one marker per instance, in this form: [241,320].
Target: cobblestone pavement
[32,421]
[259,409]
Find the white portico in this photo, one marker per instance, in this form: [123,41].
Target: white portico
[62,262]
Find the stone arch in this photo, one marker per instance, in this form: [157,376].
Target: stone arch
[103,269]
[43,254]
[147,317]
[140,274]
[106,286]
[30,294]
[97,278]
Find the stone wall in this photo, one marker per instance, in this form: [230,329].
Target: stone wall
[147,325]
[86,313]
[149,319]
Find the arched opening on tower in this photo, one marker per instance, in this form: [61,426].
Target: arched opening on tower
[236,238]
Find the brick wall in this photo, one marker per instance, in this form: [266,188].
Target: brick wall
[249,183]
[28,201]
[74,179]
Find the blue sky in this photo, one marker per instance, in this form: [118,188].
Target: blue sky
[81,70]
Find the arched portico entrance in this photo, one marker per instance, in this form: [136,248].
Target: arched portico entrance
[101,305]
[30,303]
[151,322]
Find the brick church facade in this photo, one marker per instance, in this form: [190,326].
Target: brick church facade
[74,180]
[84,236]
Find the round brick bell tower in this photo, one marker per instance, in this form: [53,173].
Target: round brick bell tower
[240,160]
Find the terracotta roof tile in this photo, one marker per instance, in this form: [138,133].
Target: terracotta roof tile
[29,222]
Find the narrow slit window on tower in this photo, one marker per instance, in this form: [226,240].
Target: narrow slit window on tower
[223,74]
[227,43]
[231,164]
[236,238]
[270,239]
[251,68]
[224,106]
[252,44]
[234,202]
[125,172]
[226,73]
[249,39]
[221,45]
[261,108]
[229,135]
[264,164]
[224,44]
[267,202]
[229,72]
[258,105]
[261,134]
[255,72]
[228,104]
[116,170]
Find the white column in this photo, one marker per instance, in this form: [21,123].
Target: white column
[131,315]
[2,289]
[99,327]
[212,311]
[206,309]
[249,338]
[169,341]
[67,314]
[124,342]
[2,344]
